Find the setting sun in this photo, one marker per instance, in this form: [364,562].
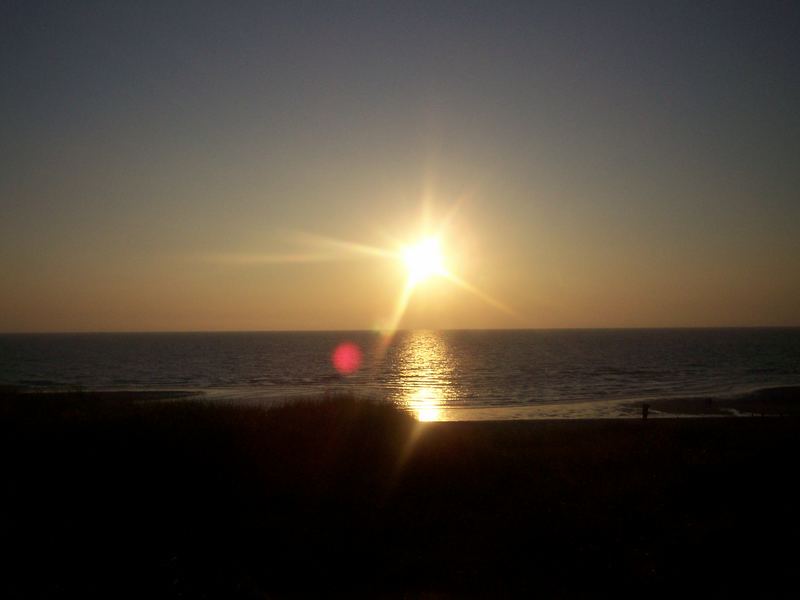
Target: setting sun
[424,259]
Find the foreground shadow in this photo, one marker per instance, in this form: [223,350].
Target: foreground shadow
[181,499]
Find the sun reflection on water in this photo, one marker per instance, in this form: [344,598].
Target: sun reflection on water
[426,404]
[425,375]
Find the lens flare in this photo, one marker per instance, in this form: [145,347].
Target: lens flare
[346,358]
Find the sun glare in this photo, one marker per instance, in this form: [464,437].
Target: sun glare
[424,259]
[426,404]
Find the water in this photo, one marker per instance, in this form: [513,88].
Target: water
[440,375]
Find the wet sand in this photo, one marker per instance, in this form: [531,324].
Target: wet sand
[190,500]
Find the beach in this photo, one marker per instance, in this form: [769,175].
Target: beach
[132,497]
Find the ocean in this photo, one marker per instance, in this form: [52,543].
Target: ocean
[440,375]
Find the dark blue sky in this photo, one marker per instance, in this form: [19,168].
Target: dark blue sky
[627,163]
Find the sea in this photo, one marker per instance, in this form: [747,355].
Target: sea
[439,375]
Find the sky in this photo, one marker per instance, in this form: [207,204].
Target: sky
[174,166]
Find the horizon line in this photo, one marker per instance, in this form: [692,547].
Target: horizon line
[404,330]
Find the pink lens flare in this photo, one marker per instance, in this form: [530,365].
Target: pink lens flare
[346,358]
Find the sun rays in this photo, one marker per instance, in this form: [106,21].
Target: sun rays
[426,257]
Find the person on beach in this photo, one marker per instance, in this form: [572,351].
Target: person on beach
[645,410]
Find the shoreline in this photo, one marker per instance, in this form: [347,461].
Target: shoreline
[779,400]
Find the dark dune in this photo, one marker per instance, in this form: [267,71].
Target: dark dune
[183,499]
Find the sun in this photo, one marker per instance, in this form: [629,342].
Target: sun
[424,260]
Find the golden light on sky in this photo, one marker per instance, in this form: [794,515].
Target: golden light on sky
[425,257]
[601,178]
[424,260]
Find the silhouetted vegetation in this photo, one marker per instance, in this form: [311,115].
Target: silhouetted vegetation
[136,496]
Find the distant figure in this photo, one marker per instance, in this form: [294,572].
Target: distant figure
[645,410]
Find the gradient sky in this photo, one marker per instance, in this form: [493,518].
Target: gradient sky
[166,165]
